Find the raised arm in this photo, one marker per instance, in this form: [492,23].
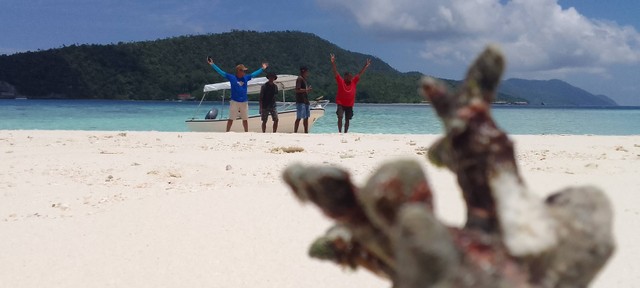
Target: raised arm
[364,68]
[257,72]
[216,68]
[333,64]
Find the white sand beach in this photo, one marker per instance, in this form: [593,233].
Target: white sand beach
[156,209]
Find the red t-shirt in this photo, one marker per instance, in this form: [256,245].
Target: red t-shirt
[346,93]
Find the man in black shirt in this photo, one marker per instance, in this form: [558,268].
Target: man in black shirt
[268,94]
[302,100]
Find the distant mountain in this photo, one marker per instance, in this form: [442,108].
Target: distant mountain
[163,69]
[552,92]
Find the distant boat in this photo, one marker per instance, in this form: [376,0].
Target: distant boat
[185,97]
[7,95]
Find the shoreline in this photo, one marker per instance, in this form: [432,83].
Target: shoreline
[357,103]
[302,134]
[188,209]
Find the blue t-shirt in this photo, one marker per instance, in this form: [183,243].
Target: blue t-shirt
[238,86]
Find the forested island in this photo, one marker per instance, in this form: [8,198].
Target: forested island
[163,69]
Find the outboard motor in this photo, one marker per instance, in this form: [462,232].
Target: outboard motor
[212,114]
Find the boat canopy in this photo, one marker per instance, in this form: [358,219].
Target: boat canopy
[284,82]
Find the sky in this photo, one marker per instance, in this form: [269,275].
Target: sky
[591,44]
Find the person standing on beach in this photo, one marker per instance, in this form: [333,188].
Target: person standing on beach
[268,94]
[346,97]
[302,100]
[239,104]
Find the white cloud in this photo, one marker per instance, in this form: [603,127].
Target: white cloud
[537,36]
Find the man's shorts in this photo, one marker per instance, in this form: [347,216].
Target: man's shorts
[344,110]
[265,114]
[238,110]
[302,111]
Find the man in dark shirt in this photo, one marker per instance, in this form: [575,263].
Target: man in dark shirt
[268,94]
[302,100]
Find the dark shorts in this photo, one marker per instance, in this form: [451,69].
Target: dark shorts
[265,114]
[302,111]
[346,111]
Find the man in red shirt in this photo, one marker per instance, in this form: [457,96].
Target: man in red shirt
[346,93]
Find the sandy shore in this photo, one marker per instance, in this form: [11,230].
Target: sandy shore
[153,209]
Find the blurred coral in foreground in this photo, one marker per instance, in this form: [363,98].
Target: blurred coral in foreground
[511,238]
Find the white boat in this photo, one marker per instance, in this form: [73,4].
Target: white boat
[286,110]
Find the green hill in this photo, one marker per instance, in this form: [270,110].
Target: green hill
[162,69]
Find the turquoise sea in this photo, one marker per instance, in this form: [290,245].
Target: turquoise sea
[108,115]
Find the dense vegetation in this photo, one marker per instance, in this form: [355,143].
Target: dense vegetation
[162,69]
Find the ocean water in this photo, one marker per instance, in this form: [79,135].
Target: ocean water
[109,115]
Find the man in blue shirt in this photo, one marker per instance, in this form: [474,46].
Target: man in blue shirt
[239,104]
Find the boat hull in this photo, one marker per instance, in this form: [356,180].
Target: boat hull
[286,122]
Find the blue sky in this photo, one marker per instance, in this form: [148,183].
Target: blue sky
[592,44]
